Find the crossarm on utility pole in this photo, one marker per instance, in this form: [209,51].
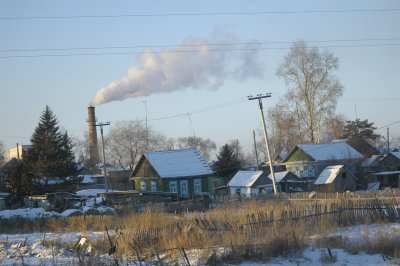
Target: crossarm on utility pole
[259,97]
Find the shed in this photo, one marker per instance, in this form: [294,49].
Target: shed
[336,178]
[248,183]
[285,181]
[385,179]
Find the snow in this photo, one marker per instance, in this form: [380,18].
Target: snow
[328,174]
[244,178]
[28,213]
[87,179]
[71,212]
[330,151]
[32,249]
[279,176]
[369,161]
[396,153]
[90,192]
[33,213]
[313,257]
[178,163]
[388,173]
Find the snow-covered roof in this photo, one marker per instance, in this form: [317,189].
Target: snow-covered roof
[328,174]
[244,178]
[279,176]
[178,163]
[89,179]
[369,161]
[330,151]
[388,173]
[396,153]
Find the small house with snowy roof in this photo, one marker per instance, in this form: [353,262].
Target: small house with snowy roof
[182,171]
[336,178]
[308,160]
[249,183]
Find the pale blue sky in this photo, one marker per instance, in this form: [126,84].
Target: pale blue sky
[68,82]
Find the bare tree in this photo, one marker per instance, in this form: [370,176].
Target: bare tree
[81,149]
[334,127]
[205,146]
[313,87]
[128,140]
[2,152]
[285,130]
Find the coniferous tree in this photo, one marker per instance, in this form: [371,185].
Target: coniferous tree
[361,135]
[50,159]
[227,162]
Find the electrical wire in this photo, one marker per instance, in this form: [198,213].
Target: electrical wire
[194,51]
[250,13]
[193,45]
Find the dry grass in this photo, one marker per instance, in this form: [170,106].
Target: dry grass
[256,229]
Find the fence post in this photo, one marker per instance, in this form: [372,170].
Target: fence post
[185,256]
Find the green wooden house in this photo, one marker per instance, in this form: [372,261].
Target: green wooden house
[181,171]
[309,160]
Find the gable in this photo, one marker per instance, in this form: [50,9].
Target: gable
[144,169]
[297,155]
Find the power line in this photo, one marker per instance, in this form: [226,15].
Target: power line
[194,51]
[369,99]
[279,12]
[192,45]
[207,109]
[391,124]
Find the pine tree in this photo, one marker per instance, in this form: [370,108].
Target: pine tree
[361,136]
[50,159]
[227,162]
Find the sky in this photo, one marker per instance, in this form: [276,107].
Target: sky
[164,60]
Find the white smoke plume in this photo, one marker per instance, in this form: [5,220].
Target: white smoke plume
[196,63]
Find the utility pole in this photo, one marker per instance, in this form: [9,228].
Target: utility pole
[147,130]
[388,142]
[255,147]
[259,97]
[104,154]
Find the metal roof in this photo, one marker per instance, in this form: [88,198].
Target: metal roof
[330,151]
[244,178]
[178,163]
[328,175]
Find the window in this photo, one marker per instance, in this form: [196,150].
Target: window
[173,186]
[197,186]
[143,185]
[153,186]
[184,187]
[215,183]
[238,191]
[344,175]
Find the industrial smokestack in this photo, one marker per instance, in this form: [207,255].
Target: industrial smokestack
[93,145]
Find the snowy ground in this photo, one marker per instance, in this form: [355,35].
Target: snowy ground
[36,249]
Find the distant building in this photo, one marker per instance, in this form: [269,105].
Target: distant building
[181,171]
[17,152]
[308,160]
[335,178]
[247,183]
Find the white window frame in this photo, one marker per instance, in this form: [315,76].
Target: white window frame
[153,186]
[184,186]
[197,186]
[143,186]
[173,186]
